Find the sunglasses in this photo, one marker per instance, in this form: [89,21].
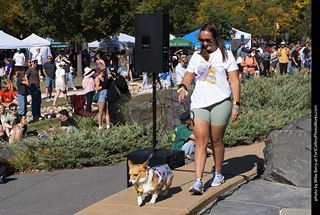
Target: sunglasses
[13,109]
[207,40]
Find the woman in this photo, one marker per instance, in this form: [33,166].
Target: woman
[3,116]
[22,84]
[99,61]
[124,66]
[61,83]
[211,104]
[88,87]
[274,59]
[18,129]
[102,84]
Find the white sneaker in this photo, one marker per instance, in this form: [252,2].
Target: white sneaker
[218,179]
[197,187]
[108,127]
[74,89]
[100,127]
[48,99]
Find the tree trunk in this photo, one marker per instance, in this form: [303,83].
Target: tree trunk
[79,61]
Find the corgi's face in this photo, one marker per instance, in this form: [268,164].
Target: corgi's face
[137,172]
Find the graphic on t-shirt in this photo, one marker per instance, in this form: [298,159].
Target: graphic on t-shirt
[211,77]
[203,69]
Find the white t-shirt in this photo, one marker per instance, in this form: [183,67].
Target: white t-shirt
[59,73]
[18,59]
[38,56]
[212,85]
[180,71]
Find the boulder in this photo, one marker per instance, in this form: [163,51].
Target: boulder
[288,153]
[140,108]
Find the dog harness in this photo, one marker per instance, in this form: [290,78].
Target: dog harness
[163,172]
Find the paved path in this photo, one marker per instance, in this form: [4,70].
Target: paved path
[60,192]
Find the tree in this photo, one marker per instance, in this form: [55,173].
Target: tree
[78,20]
[12,20]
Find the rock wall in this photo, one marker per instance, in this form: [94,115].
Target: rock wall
[140,108]
[288,153]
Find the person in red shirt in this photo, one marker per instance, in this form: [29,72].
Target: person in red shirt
[248,63]
[7,96]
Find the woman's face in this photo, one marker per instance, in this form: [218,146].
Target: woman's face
[1,109]
[207,40]
[24,120]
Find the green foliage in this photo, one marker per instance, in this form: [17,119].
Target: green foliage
[83,148]
[268,104]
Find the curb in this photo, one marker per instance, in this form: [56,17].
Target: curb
[238,164]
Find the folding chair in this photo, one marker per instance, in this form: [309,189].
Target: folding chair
[77,103]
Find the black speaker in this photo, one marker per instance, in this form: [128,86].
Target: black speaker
[174,158]
[152,43]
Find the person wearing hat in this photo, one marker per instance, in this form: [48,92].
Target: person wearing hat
[183,138]
[88,87]
[61,83]
[19,60]
[248,63]
[34,86]
[284,53]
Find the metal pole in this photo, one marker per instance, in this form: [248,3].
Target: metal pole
[154,103]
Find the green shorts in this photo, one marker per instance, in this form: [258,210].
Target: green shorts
[216,114]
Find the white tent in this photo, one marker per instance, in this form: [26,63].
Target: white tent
[118,41]
[236,40]
[9,42]
[38,42]
[96,44]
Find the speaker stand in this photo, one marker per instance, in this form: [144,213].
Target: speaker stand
[154,104]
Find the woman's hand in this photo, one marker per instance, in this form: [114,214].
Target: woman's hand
[182,94]
[234,115]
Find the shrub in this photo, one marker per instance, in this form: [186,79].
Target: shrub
[268,104]
[83,148]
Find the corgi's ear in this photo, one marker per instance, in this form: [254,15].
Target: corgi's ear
[130,163]
[144,164]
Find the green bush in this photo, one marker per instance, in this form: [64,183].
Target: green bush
[268,104]
[83,148]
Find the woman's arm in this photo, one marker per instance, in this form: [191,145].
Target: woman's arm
[235,86]
[187,82]
[97,84]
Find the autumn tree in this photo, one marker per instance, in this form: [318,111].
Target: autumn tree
[79,20]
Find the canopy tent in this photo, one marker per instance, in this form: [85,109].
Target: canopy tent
[120,40]
[236,40]
[96,44]
[9,42]
[178,42]
[36,42]
[117,41]
[230,45]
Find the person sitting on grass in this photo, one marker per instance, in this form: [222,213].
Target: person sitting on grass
[19,128]
[183,138]
[67,123]
[9,119]
[7,96]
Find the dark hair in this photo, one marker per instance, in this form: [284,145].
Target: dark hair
[64,113]
[13,105]
[220,43]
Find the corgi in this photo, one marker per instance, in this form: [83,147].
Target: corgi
[147,180]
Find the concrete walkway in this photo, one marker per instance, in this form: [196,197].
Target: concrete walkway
[237,163]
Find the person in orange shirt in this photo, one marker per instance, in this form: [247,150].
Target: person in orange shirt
[7,96]
[248,63]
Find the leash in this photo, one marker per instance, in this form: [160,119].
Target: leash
[165,130]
